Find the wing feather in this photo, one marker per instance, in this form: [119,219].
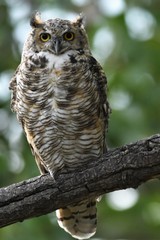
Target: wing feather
[101,82]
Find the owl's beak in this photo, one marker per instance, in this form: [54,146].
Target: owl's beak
[57,46]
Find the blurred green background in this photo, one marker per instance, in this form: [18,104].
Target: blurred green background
[125,38]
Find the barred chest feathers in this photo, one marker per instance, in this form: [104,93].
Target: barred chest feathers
[64,97]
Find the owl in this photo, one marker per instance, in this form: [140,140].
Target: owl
[59,97]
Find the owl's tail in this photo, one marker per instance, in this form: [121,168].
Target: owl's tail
[79,220]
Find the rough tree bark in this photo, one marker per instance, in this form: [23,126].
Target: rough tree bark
[121,168]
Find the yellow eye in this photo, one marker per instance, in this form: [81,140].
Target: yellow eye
[44,37]
[69,36]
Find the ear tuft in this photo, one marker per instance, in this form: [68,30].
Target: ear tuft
[80,20]
[36,20]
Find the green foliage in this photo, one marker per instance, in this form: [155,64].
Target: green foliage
[131,60]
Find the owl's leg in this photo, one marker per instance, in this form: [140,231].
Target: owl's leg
[55,173]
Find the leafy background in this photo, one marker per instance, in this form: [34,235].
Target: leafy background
[125,37]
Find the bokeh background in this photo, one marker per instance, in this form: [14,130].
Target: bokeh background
[125,38]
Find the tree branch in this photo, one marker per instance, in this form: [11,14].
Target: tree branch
[124,167]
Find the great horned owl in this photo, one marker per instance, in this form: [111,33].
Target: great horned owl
[59,96]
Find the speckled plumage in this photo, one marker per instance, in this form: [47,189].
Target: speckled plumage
[59,96]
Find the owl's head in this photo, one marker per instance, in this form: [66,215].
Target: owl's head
[58,36]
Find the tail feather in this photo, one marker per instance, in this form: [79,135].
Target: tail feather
[79,220]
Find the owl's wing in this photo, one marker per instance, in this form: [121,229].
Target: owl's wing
[38,159]
[100,80]
[13,88]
